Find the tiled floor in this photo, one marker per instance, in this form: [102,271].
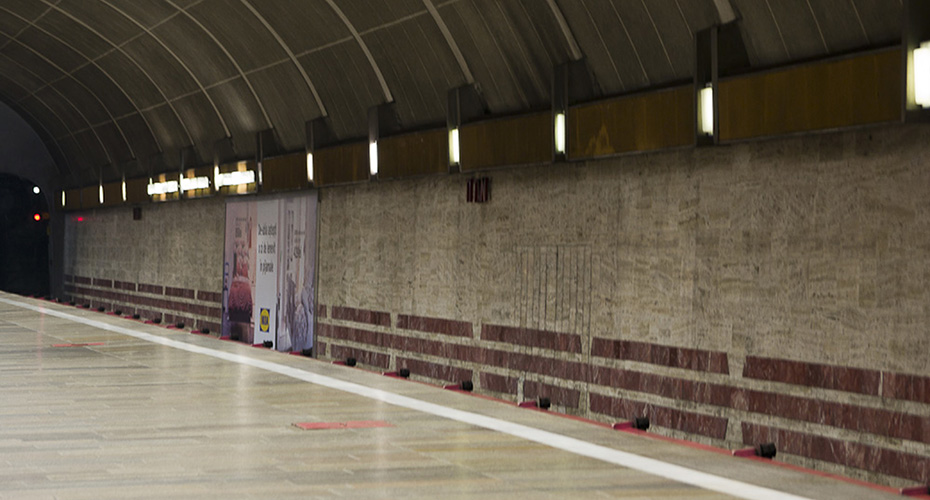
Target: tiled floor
[158,413]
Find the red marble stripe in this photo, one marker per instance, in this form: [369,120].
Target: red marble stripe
[82,280]
[163,304]
[545,339]
[834,414]
[908,387]
[361,315]
[362,356]
[671,418]
[156,289]
[434,370]
[434,325]
[103,282]
[847,453]
[562,396]
[656,354]
[321,311]
[185,293]
[834,377]
[498,383]
[123,285]
[209,296]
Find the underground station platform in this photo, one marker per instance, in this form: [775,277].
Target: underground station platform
[99,406]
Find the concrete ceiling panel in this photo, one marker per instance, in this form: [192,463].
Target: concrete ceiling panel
[194,47]
[288,115]
[103,19]
[167,73]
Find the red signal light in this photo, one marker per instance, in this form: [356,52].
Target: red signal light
[37,217]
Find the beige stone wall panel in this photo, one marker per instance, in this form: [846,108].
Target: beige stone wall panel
[805,249]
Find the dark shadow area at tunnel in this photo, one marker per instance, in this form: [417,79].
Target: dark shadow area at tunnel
[24,237]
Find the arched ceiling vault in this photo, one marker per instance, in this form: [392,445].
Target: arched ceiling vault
[119,87]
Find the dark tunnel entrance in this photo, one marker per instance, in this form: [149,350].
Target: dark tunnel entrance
[24,237]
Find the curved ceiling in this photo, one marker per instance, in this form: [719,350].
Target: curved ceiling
[120,87]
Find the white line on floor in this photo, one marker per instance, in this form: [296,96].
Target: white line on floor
[624,459]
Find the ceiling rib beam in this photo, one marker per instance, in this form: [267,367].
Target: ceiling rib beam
[134,62]
[454,47]
[388,97]
[290,54]
[94,63]
[573,48]
[89,91]
[28,25]
[76,109]
[231,59]
[179,61]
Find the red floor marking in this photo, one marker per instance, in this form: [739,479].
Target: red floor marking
[78,345]
[352,424]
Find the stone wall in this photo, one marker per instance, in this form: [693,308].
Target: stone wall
[766,291]
[168,265]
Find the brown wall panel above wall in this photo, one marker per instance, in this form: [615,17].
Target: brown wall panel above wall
[113,193]
[421,153]
[90,197]
[136,190]
[645,122]
[341,164]
[520,140]
[284,173]
[856,91]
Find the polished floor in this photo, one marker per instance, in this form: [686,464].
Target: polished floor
[95,406]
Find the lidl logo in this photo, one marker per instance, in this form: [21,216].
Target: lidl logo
[265,317]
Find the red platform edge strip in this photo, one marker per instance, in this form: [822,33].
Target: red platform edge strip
[352,424]
[922,491]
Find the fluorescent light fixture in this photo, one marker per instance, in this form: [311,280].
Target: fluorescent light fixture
[188,183]
[234,178]
[35,189]
[100,193]
[455,153]
[309,167]
[706,110]
[373,157]
[162,187]
[124,189]
[62,198]
[922,75]
[560,133]
[216,176]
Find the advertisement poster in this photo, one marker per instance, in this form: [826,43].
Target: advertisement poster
[269,271]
